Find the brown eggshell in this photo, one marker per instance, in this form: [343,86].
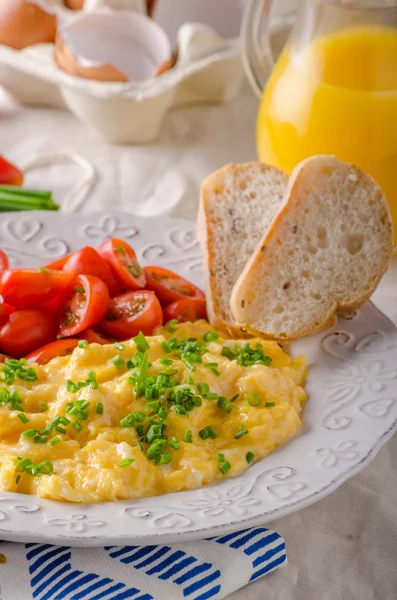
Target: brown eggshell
[68,63]
[151,5]
[23,24]
[74,4]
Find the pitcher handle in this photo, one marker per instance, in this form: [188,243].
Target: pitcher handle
[256,47]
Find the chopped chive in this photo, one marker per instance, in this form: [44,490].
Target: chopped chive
[211,396]
[211,336]
[228,353]
[249,457]
[99,408]
[18,478]
[225,405]
[190,380]
[153,406]
[43,407]
[203,388]
[166,347]
[77,426]
[55,440]
[189,365]
[241,433]
[141,342]
[60,429]
[188,437]
[169,371]
[40,439]
[269,404]
[46,467]
[166,361]
[119,346]
[174,443]
[254,399]
[197,401]
[164,459]
[139,416]
[22,464]
[118,361]
[138,443]
[224,467]
[212,432]
[234,398]
[29,433]
[208,432]
[23,418]
[126,462]
[215,371]
[42,270]
[82,344]
[170,326]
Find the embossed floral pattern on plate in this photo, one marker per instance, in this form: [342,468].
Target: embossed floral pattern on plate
[351,411]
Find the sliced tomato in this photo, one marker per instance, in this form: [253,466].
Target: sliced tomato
[124,264]
[131,313]
[46,353]
[25,331]
[30,288]
[3,262]
[170,287]
[83,305]
[3,314]
[94,336]
[87,261]
[185,310]
[57,265]
[9,173]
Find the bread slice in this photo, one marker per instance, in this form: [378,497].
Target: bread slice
[326,250]
[237,205]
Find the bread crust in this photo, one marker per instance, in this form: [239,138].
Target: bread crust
[253,265]
[215,184]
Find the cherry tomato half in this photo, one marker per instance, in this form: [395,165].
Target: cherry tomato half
[57,265]
[46,353]
[131,313]
[29,288]
[3,262]
[185,310]
[83,305]
[3,314]
[9,173]
[124,264]
[93,336]
[170,287]
[25,331]
[87,261]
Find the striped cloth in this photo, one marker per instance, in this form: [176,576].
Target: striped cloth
[208,569]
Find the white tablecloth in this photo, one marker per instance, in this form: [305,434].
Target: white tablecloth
[345,546]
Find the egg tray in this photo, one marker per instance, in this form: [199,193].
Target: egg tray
[208,69]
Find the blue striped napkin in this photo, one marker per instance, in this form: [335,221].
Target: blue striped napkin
[207,569]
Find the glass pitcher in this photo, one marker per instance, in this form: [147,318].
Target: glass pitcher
[333,90]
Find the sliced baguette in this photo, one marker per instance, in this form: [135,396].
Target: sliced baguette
[237,205]
[326,250]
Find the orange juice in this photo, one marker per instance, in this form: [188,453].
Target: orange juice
[336,96]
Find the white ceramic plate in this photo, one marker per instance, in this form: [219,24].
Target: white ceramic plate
[351,411]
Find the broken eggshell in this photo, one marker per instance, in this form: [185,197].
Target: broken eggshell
[74,4]
[112,46]
[24,23]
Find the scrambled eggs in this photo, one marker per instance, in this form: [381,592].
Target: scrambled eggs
[171,412]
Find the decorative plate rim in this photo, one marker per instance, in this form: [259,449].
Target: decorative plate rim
[352,372]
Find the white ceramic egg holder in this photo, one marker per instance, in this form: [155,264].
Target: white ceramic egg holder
[208,70]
